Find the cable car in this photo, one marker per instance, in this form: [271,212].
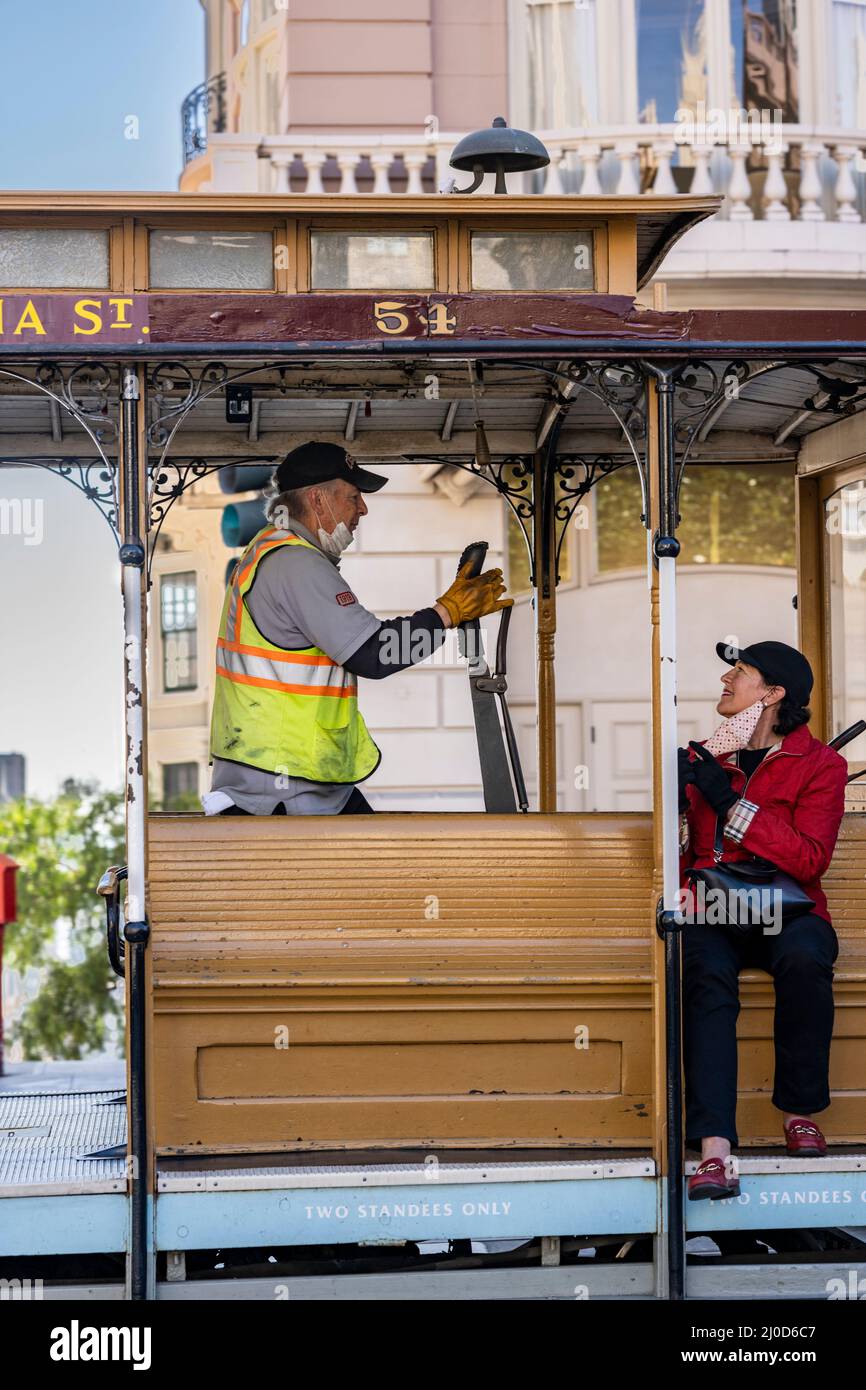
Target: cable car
[320,1069]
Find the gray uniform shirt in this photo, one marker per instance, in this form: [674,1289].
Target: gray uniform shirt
[298,599]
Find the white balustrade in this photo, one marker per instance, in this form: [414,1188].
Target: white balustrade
[810,182]
[739,188]
[590,157]
[846,189]
[780,174]
[664,184]
[702,179]
[314,160]
[775,195]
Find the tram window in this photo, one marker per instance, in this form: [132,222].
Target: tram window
[369,261]
[53,258]
[845,526]
[228,260]
[179,630]
[533,261]
[732,514]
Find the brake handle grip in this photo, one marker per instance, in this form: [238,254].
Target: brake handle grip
[475,554]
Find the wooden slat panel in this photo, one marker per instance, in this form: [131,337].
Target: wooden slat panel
[401,897]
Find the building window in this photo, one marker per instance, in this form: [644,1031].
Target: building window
[731,515]
[849,62]
[764,43]
[671,57]
[562,64]
[245,23]
[180,787]
[179,627]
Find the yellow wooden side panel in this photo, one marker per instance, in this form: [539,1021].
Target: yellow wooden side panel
[349,982]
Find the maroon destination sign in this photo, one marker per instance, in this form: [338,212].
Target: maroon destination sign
[88,323]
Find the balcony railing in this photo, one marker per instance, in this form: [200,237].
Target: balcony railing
[804,174]
[203,112]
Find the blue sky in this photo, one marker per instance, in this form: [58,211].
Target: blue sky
[73,71]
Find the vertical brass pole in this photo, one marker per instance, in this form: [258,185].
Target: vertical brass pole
[545,628]
[812,617]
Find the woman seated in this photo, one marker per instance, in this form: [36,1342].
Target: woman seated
[762,787]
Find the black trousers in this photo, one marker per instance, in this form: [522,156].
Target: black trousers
[800,959]
[357,805]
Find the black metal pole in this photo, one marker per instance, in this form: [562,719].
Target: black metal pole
[674,1110]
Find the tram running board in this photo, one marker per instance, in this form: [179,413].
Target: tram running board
[62,1144]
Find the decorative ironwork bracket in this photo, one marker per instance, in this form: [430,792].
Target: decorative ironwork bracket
[89,392]
[169,479]
[95,478]
[512,477]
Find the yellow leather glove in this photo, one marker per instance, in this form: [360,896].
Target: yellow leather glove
[474,598]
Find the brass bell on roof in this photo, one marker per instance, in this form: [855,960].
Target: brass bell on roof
[498,150]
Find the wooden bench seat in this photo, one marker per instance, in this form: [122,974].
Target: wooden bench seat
[461,980]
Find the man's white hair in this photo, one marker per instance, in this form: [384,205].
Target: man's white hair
[289,502]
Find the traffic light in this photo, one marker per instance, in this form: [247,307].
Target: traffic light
[241,520]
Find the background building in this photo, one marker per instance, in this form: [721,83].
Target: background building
[13,776]
[763,101]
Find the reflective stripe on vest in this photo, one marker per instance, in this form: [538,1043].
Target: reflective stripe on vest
[290,712]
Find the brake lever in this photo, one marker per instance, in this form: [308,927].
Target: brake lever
[475,554]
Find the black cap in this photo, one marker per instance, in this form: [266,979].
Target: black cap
[777,663]
[320,463]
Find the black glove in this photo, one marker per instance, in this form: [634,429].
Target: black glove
[685,768]
[712,781]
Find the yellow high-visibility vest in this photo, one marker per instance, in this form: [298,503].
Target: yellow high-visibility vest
[293,713]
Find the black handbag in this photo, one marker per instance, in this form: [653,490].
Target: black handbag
[750,892]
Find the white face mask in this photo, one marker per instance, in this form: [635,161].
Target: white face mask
[335,542]
[735,732]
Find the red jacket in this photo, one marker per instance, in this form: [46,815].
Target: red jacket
[799,789]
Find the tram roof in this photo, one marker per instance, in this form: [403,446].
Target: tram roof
[659,221]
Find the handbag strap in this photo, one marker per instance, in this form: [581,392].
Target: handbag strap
[718,845]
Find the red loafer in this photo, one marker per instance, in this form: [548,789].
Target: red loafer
[711,1180]
[803,1139]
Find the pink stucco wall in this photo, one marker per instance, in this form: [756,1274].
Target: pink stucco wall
[389,64]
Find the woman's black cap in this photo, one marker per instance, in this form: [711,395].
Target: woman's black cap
[777,663]
[318,463]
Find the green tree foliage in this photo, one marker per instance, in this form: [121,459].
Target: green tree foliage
[63,846]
